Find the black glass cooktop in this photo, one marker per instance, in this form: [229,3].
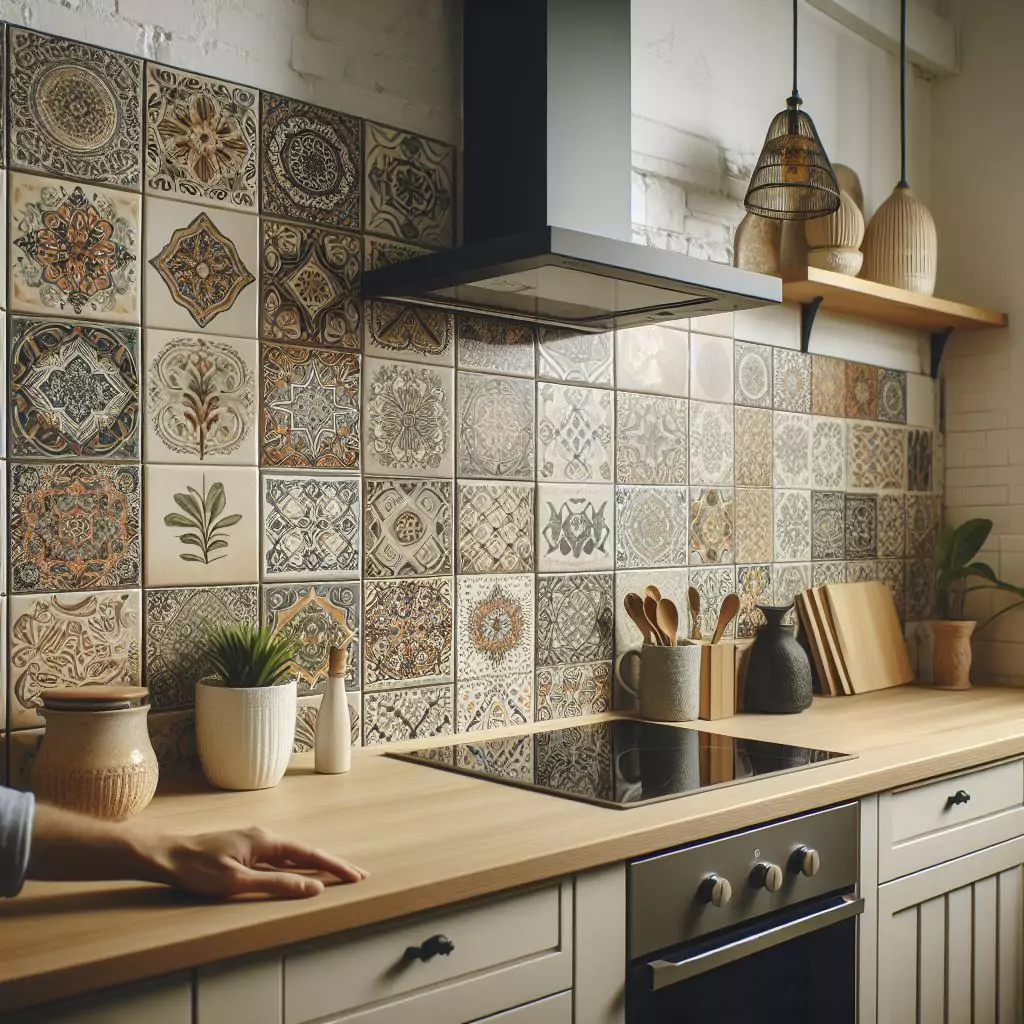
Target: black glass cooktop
[621,763]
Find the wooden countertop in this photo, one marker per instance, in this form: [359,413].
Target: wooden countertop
[431,838]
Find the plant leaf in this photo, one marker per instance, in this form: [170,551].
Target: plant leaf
[215,544]
[226,521]
[176,519]
[968,539]
[191,538]
[983,570]
[189,504]
[216,499]
[189,556]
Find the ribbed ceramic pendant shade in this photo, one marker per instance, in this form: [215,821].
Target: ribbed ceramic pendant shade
[901,244]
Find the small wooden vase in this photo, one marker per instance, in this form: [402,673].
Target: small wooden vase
[901,245]
[835,240]
[756,245]
[951,656]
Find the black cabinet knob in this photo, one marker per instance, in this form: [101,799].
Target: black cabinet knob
[961,796]
[435,945]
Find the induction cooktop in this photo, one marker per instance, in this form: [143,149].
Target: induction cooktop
[620,763]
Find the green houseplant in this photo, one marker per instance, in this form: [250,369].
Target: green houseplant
[245,712]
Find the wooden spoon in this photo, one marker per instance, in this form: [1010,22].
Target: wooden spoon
[694,595]
[634,605]
[653,591]
[668,620]
[728,611]
[651,611]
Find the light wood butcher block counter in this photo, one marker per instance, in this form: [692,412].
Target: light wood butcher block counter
[431,838]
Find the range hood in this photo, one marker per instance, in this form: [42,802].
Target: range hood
[546,185]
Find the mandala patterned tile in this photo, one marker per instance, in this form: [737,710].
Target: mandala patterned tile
[311,161]
[407,527]
[713,584]
[651,439]
[891,573]
[712,525]
[310,408]
[383,252]
[828,454]
[309,285]
[71,640]
[792,526]
[864,571]
[496,427]
[919,460]
[861,391]
[576,358]
[408,419]
[754,587]
[791,381]
[407,631]
[569,691]
[575,622]
[574,527]
[74,526]
[494,703]
[201,138]
[202,525]
[711,368]
[494,627]
[173,734]
[319,616]
[200,268]
[923,512]
[500,346]
[46,224]
[74,390]
[574,433]
[496,527]
[651,527]
[861,526]
[410,332]
[828,526]
[575,761]
[74,109]
[200,398]
[828,572]
[891,519]
[892,396]
[672,583]
[711,444]
[178,622]
[653,359]
[409,187]
[877,458]
[310,527]
[788,581]
[754,515]
[754,447]
[415,713]
[828,386]
[753,374]
[791,450]
[920,590]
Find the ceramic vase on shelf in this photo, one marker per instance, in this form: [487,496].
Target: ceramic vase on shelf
[778,669]
[793,251]
[332,746]
[756,245]
[951,654]
[901,245]
[835,240]
[850,182]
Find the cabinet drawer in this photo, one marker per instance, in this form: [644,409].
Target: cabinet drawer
[505,951]
[925,825]
[164,1001]
[556,1010]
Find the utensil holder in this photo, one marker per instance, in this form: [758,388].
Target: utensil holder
[669,681]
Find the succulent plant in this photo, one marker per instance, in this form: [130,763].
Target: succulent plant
[244,656]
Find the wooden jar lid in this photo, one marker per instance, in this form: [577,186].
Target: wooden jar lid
[94,698]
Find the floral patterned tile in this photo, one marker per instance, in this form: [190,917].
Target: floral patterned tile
[754,531]
[494,631]
[877,458]
[753,372]
[494,703]
[496,527]
[711,368]
[754,447]
[862,571]
[828,454]
[575,527]
[923,513]
[920,590]
[891,517]
[828,526]
[498,346]
[828,572]
[496,419]
[308,712]
[575,358]
[575,433]
[791,450]
[173,734]
[891,572]
[651,526]
[861,526]
[861,391]
[712,526]
[575,621]
[654,359]
[919,460]
[410,332]
[754,587]
[414,713]
[788,581]
[892,396]
[713,584]
[672,583]
[791,381]
[828,386]
[569,691]
[651,439]
[711,444]
[407,527]
[792,526]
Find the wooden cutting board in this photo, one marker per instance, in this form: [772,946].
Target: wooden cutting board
[820,611]
[826,677]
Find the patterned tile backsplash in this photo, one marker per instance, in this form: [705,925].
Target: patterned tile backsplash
[204,422]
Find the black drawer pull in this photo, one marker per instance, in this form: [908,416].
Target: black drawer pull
[436,944]
[961,796]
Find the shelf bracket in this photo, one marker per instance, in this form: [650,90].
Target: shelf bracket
[808,311]
[939,339]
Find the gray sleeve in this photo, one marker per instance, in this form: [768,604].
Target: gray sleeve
[16,810]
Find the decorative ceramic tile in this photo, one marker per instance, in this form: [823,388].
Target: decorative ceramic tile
[407,631]
[410,332]
[828,454]
[791,381]
[788,581]
[713,584]
[890,572]
[861,391]
[569,691]
[892,396]
[654,358]
[828,386]
[24,746]
[178,621]
[920,590]
[408,419]
[411,714]
[891,519]
[828,526]
[573,357]
[828,572]
[711,368]
[501,346]
[200,268]
[754,514]
[201,138]
[754,444]
[919,460]
[74,109]
[923,512]
[711,444]
[71,640]
[574,527]
[202,525]
[383,252]
[173,734]
[496,528]
[862,571]
[200,398]
[877,457]
[938,462]
[574,433]
[308,712]
[791,450]
[753,374]
[496,427]
[651,526]
[311,163]
[309,285]
[712,525]
[310,408]
[494,703]
[407,527]
[74,527]
[74,390]
[754,587]
[651,439]
[319,616]
[861,526]
[792,526]
[575,623]
[102,281]
[310,527]
[494,631]
[672,583]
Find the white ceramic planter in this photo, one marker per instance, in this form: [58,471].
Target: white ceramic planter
[244,736]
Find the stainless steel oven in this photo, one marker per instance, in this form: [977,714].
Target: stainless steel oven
[756,926]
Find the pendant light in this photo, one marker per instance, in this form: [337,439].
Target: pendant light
[901,244]
[793,179]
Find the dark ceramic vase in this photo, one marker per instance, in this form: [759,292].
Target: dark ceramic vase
[778,672]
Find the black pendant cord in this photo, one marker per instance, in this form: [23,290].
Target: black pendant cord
[903,95]
[796,93]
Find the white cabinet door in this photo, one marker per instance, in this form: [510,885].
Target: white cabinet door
[554,1010]
[165,1001]
[950,941]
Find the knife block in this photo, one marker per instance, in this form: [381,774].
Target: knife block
[717,680]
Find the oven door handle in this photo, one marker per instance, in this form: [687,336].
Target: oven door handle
[662,973]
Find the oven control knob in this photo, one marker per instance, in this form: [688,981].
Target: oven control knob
[806,860]
[766,876]
[715,889]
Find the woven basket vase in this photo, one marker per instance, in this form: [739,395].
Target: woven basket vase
[900,244]
[835,240]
